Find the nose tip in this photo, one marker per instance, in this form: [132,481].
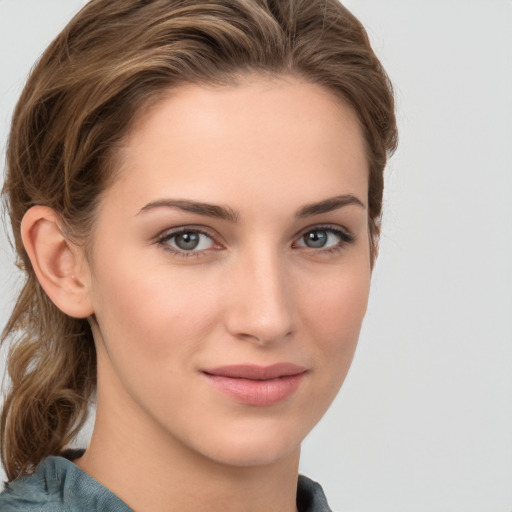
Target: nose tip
[263,331]
[261,306]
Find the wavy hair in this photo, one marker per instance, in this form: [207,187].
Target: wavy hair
[111,63]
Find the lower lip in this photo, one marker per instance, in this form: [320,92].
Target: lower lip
[257,392]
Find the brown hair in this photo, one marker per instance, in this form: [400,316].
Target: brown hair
[111,62]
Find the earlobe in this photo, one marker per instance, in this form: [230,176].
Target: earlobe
[58,263]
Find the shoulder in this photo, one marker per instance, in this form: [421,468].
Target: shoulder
[310,496]
[29,494]
[58,485]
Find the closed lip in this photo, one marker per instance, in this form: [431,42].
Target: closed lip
[255,385]
[256,372]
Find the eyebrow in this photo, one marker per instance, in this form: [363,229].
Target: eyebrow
[328,205]
[210,210]
[229,214]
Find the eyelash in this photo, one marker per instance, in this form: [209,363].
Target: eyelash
[165,237]
[344,236]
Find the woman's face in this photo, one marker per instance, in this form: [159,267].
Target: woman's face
[230,268]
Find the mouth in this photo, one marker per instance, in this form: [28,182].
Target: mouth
[257,385]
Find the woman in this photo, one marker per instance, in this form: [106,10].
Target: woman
[195,191]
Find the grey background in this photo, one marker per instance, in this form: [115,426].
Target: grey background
[424,420]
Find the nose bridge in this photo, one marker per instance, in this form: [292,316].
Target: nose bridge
[261,306]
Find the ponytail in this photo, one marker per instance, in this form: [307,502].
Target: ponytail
[52,369]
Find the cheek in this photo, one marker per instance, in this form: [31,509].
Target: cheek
[333,316]
[333,311]
[337,306]
[153,312]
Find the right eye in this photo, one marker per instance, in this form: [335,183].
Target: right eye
[185,241]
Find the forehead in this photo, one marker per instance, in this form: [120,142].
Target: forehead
[276,139]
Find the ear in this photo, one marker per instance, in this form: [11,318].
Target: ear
[59,264]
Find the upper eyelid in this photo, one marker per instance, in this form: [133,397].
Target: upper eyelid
[327,226]
[167,235]
[344,235]
[170,232]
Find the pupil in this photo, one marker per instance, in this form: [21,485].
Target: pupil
[315,239]
[187,241]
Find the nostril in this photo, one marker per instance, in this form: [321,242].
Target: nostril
[264,337]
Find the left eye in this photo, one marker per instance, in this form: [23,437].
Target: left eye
[322,238]
[188,241]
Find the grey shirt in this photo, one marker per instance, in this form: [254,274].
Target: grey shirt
[58,485]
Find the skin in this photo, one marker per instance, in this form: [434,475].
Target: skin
[253,292]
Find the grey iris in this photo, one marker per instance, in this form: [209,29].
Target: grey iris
[315,239]
[187,241]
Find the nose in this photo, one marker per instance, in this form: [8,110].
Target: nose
[260,308]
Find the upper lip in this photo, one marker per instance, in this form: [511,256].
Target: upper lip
[255,372]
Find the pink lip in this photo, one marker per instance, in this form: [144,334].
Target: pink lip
[257,385]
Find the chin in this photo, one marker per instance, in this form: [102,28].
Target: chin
[252,456]
[254,447]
